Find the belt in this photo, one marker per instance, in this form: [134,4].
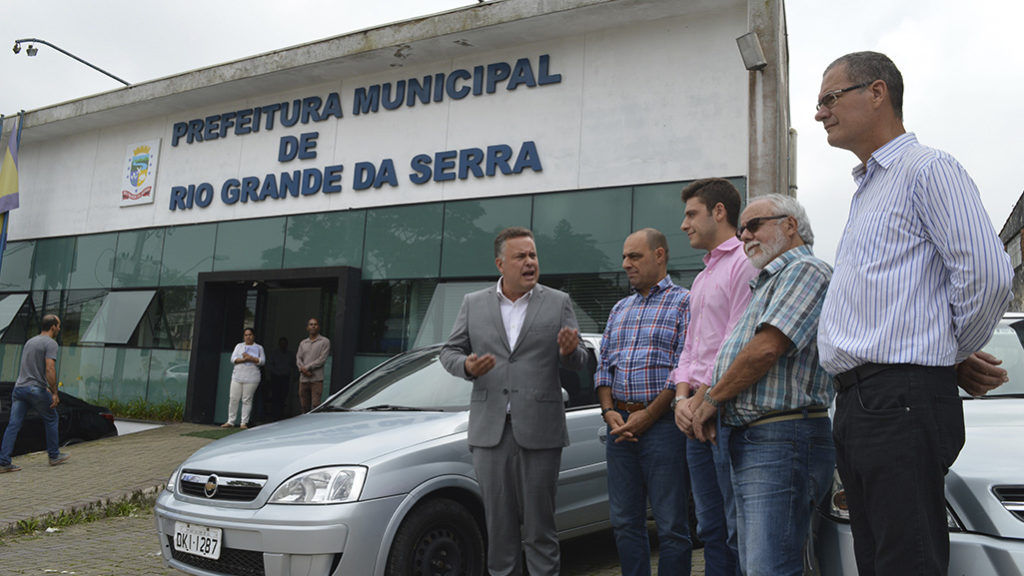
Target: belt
[851,378]
[864,372]
[631,406]
[805,413]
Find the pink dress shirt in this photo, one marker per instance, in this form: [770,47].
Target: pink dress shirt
[719,295]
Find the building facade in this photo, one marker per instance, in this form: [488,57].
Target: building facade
[361,180]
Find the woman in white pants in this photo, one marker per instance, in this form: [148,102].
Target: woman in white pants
[248,356]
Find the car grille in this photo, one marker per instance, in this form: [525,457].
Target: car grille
[1012,498]
[232,561]
[235,487]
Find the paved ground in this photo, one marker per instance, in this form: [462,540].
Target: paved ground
[115,468]
[98,472]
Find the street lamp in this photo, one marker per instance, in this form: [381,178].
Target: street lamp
[32,50]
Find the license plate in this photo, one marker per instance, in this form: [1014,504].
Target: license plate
[199,540]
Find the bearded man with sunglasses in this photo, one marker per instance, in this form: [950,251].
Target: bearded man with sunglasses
[921,279]
[773,393]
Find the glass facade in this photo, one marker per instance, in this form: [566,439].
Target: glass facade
[128,299]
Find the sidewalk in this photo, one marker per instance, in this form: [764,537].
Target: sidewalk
[99,472]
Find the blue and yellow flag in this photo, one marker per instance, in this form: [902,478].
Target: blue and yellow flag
[9,171]
[8,181]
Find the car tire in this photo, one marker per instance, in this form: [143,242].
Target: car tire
[439,536]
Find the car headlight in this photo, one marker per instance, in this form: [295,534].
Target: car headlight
[172,482]
[331,485]
[951,522]
[838,509]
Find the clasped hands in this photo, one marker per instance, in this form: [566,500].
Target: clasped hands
[696,418]
[476,366]
[630,429]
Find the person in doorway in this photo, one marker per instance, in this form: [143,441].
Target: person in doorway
[279,363]
[36,387]
[247,357]
[310,359]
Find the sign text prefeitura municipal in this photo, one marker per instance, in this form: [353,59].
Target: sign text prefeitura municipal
[437,166]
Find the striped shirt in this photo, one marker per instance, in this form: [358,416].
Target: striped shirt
[921,276]
[787,294]
[642,342]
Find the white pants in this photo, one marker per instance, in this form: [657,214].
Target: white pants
[245,391]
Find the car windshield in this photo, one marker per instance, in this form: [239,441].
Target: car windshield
[415,380]
[1007,344]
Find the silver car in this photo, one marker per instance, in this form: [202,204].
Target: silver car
[376,480]
[984,488]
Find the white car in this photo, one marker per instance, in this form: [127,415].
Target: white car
[984,487]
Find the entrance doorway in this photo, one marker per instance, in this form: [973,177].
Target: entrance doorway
[276,304]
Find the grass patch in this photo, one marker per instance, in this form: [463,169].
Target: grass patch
[121,508]
[215,434]
[139,409]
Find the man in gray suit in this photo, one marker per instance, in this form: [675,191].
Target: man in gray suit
[510,341]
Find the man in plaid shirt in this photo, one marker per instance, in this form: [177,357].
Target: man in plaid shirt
[646,452]
[773,392]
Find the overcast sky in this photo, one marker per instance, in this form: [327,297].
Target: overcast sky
[964,89]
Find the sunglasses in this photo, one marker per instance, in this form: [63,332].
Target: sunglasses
[754,224]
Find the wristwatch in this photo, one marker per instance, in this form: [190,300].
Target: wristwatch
[709,400]
[605,411]
[676,400]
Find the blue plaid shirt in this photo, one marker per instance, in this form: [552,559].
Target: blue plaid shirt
[642,342]
[787,294]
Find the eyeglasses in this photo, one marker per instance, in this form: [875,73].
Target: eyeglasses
[754,224]
[829,99]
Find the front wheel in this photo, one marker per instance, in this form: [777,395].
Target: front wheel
[438,538]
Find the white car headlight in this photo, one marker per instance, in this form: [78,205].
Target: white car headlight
[172,482]
[838,509]
[331,485]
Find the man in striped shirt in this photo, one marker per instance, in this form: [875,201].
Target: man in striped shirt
[773,393]
[646,453]
[920,282]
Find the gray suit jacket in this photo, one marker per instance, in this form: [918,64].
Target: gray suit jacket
[526,377]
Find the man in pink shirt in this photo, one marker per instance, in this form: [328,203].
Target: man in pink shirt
[719,295]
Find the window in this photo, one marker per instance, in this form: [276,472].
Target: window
[403,242]
[581,232]
[469,230]
[326,239]
[9,308]
[249,245]
[117,317]
[94,261]
[137,263]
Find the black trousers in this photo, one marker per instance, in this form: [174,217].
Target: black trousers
[898,429]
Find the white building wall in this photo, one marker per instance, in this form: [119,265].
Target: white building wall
[656,101]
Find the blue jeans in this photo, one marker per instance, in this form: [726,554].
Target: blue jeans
[21,399]
[711,481]
[654,468]
[780,472]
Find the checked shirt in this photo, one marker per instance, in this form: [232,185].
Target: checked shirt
[787,294]
[642,342]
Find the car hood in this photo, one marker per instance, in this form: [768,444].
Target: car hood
[323,439]
[992,456]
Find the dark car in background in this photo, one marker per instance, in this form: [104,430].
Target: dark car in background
[79,421]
